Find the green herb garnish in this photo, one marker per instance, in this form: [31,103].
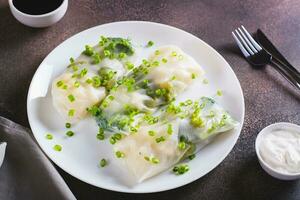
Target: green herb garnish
[89,51]
[71,98]
[49,136]
[68,125]
[120,154]
[150,43]
[71,112]
[191,157]
[70,133]
[57,147]
[103,162]
[181,169]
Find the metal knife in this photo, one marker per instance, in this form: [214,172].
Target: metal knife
[2,151]
[276,55]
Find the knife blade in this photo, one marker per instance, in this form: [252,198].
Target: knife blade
[2,152]
[276,55]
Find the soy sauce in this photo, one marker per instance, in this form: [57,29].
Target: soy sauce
[37,7]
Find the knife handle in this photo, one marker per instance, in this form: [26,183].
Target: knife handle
[287,66]
[292,77]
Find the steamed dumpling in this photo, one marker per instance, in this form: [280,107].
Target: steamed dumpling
[88,78]
[144,156]
[71,101]
[176,69]
[81,86]
[205,119]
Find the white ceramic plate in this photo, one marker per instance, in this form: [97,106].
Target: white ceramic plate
[81,154]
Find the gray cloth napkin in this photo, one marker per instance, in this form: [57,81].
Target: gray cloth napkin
[26,173]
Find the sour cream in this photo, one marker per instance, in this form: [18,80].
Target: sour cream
[280,149]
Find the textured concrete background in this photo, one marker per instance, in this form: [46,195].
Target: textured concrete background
[268,97]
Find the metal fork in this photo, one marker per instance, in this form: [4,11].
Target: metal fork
[257,56]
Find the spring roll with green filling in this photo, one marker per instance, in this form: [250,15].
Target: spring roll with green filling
[87,79]
[154,83]
[150,151]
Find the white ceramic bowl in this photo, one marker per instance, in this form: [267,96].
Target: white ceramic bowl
[273,172]
[39,21]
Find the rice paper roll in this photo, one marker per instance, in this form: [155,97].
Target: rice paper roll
[150,151]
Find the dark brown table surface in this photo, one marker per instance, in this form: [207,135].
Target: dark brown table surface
[268,97]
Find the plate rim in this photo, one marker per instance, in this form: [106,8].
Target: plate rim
[188,181]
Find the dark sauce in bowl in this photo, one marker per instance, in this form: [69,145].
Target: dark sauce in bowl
[37,7]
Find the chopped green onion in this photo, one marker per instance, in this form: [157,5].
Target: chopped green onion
[71,98]
[103,162]
[96,81]
[88,81]
[72,60]
[117,136]
[181,169]
[122,55]
[59,83]
[101,131]
[150,43]
[106,53]
[71,112]
[76,84]
[94,110]
[147,158]
[120,154]
[164,60]
[65,87]
[160,139]
[89,51]
[129,65]
[145,62]
[68,125]
[155,63]
[188,102]
[174,53]
[170,130]
[154,160]
[219,92]
[111,98]
[70,133]
[57,147]
[157,52]
[96,58]
[101,43]
[133,129]
[181,145]
[173,78]
[150,119]
[112,140]
[104,104]
[193,76]
[151,133]
[100,136]
[75,68]
[83,72]
[191,157]
[49,136]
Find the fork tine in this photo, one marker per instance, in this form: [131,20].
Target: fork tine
[247,41]
[243,42]
[251,39]
[244,51]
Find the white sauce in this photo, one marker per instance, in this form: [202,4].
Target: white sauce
[280,149]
